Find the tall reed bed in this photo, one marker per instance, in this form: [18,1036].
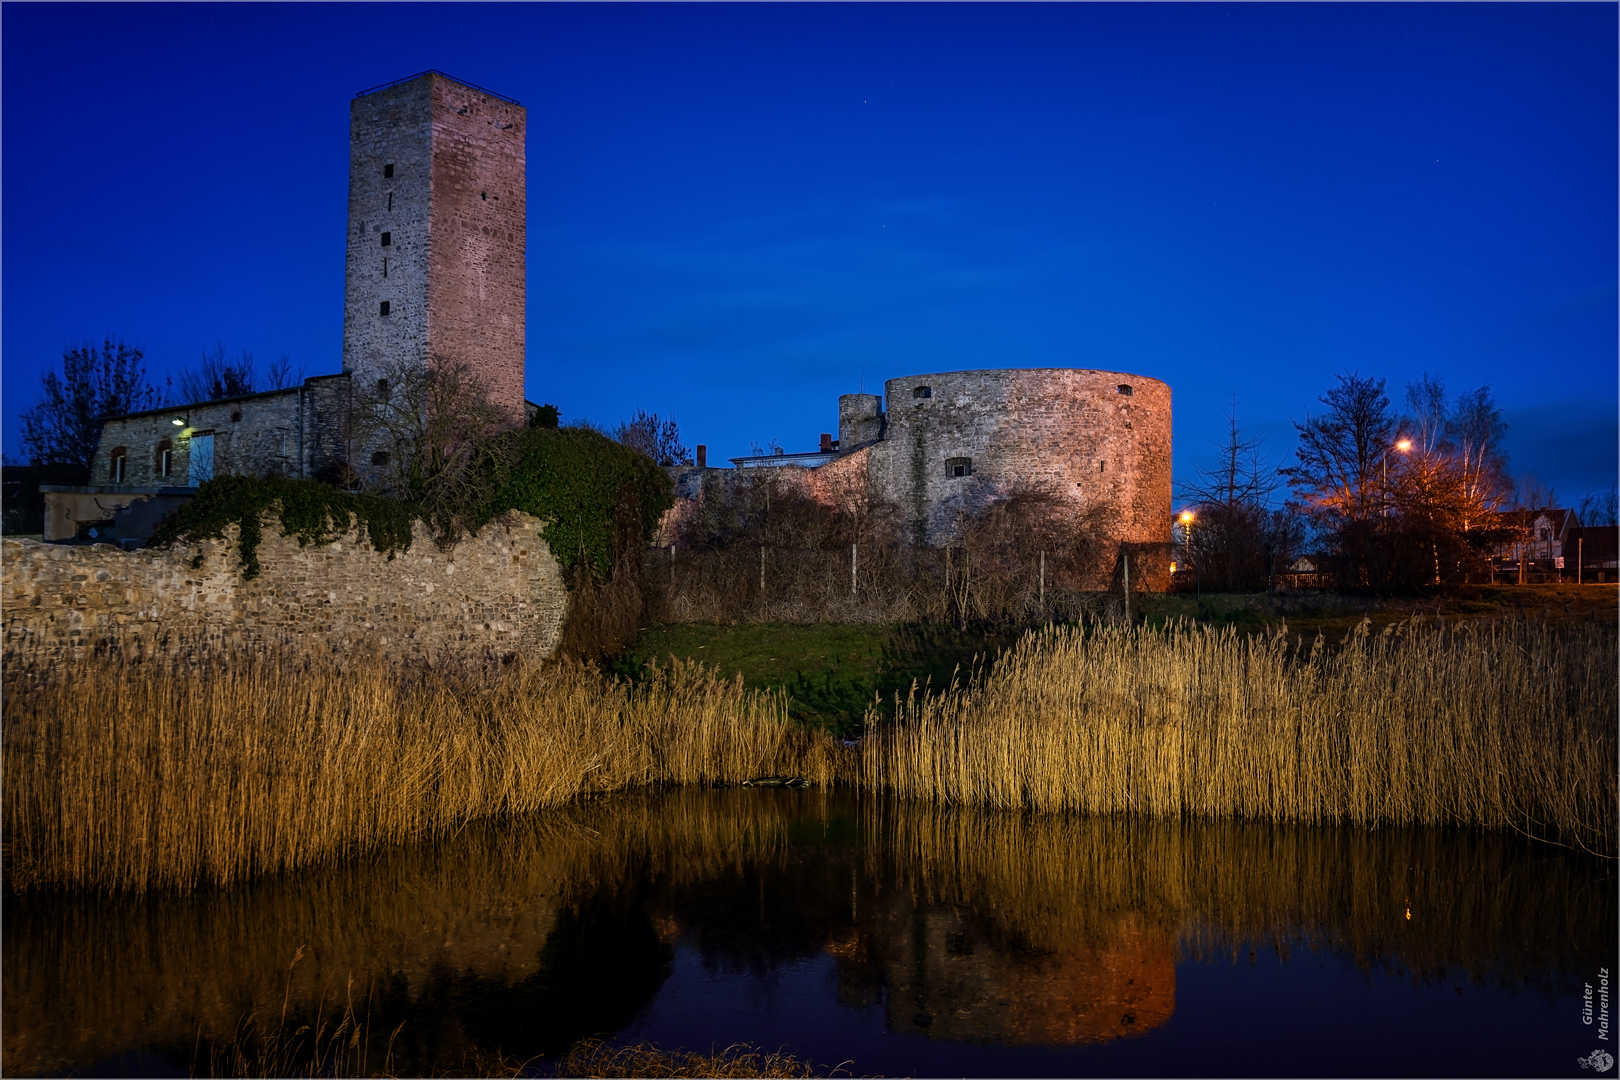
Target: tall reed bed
[130,776]
[1506,725]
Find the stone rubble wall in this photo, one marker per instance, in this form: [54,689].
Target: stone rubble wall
[499,593]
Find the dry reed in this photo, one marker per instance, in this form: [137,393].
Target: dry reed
[1507,725]
[128,777]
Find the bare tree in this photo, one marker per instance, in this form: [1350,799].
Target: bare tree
[1341,475]
[423,433]
[1598,508]
[1235,543]
[218,376]
[64,428]
[656,437]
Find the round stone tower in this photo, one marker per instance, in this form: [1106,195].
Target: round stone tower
[1098,438]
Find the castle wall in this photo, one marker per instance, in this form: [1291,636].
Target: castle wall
[1070,432]
[476,261]
[454,211]
[392,127]
[498,593]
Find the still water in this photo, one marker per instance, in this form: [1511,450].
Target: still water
[901,939]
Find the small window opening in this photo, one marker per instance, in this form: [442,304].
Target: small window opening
[380,457]
[959,466]
[382,308]
[484,195]
[922,392]
[236,416]
[165,458]
[388,171]
[120,464]
[1102,466]
[387,238]
[1125,388]
[382,386]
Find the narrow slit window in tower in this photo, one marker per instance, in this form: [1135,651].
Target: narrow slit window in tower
[387,238]
[385,266]
[1102,466]
[382,308]
[390,202]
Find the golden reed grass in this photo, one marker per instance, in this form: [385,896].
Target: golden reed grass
[130,776]
[1502,725]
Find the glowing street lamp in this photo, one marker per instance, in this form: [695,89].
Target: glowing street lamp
[1186,525]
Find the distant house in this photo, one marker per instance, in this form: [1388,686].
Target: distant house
[1540,537]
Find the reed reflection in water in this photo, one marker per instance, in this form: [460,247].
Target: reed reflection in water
[958,924]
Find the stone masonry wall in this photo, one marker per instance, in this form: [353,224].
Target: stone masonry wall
[499,593]
[477,278]
[438,169]
[1098,439]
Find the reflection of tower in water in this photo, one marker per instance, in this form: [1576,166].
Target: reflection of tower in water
[952,973]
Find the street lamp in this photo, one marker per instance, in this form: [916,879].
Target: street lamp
[1186,526]
[1403,445]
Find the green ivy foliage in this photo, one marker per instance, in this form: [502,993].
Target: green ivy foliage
[313,512]
[595,495]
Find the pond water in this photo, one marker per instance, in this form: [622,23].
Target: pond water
[900,939]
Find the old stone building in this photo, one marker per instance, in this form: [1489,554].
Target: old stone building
[437,231]
[948,444]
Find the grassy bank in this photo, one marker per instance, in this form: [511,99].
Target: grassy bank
[831,673]
[128,777]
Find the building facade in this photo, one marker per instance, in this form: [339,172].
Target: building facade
[436,241]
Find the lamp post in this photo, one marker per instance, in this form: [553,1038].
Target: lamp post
[1186,527]
[1403,445]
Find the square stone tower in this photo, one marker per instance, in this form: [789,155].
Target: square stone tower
[437,232]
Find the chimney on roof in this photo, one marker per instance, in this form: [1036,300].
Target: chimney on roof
[826,443]
[702,456]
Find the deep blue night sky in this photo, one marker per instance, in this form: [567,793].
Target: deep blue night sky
[737,213]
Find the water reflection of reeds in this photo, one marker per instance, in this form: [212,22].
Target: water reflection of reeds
[1025,924]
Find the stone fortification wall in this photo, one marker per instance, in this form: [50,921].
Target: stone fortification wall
[1100,439]
[499,593]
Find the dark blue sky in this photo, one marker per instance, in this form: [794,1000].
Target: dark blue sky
[737,213]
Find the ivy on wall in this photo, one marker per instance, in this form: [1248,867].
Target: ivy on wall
[313,512]
[587,487]
[592,492]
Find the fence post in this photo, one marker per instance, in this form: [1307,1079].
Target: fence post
[1580,560]
[1127,588]
[1043,584]
[762,573]
[852,558]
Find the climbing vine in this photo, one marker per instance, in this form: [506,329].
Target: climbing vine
[594,494]
[313,512]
